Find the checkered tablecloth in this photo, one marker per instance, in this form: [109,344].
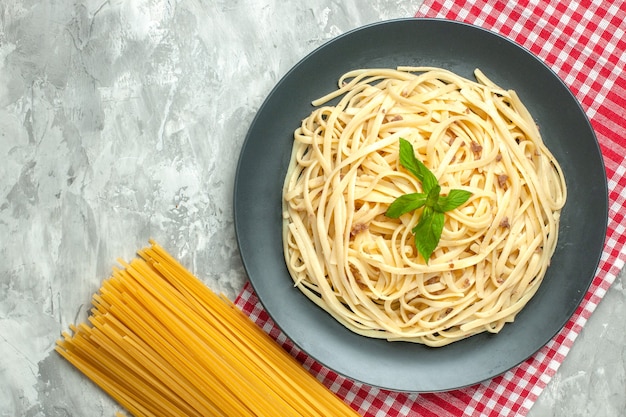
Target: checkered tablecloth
[584,42]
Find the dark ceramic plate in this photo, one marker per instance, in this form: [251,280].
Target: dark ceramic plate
[460,48]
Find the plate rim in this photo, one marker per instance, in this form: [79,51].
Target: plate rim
[328,44]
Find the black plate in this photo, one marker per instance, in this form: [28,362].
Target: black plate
[460,48]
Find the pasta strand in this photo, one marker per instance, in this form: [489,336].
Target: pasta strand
[160,342]
[362,267]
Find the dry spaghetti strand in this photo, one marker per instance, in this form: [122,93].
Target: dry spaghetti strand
[162,343]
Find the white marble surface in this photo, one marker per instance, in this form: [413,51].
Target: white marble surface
[122,120]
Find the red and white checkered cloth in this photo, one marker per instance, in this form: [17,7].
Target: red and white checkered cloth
[585,44]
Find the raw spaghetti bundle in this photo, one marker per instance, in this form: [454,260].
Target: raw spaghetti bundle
[163,344]
[362,266]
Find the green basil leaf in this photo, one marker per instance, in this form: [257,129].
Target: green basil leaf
[404,204]
[430,225]
[428,232]
[408,159]
[430,181]
[433,196]
[415,166]
[454,199]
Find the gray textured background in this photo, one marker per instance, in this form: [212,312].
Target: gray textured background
[122,121]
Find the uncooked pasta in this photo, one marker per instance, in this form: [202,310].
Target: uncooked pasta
[161,343]
[363,267]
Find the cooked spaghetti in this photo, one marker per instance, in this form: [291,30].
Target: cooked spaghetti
[363,267]
[163,344]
